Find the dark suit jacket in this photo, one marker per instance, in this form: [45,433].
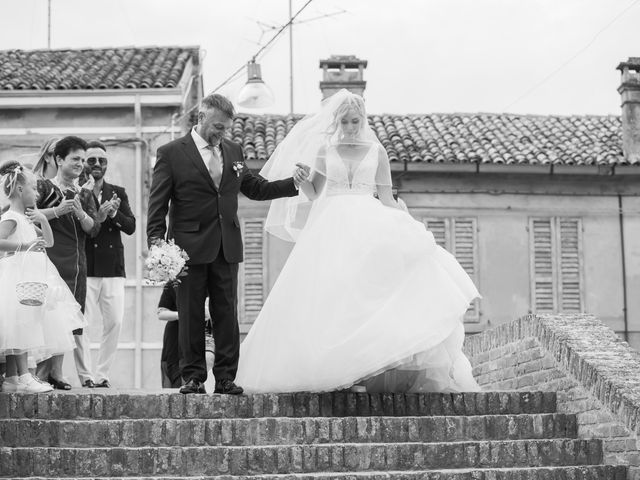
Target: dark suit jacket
[202,218]
[105,253]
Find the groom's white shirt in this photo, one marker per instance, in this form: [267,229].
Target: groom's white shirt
[205,149]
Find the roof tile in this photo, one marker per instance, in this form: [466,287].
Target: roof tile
[465,138]
[89,69]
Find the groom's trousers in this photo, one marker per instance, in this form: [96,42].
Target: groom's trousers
[219,280]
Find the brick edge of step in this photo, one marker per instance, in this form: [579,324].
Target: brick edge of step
[130,433]
[336,404]
[584,472]
[211,461]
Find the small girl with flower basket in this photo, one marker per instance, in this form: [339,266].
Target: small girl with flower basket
[38,311]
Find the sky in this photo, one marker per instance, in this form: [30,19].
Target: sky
[425,56]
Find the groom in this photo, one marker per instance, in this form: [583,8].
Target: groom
[200,176]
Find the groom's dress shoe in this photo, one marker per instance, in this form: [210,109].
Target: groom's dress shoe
[193,386]
[227,387]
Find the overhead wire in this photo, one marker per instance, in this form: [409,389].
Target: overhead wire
[573,57]
[240,69]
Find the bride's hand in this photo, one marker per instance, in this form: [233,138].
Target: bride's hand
[301,174]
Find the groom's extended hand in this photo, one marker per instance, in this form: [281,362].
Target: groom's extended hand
[301,174]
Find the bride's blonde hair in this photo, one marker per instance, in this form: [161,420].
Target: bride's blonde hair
[352,102]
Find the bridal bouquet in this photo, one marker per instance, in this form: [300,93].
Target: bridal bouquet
[166,262]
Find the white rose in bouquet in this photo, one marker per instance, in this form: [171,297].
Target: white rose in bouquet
[166,262]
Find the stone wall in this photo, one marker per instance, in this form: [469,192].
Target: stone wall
[596,374]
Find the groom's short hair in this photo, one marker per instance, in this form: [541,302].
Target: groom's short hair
[219,102]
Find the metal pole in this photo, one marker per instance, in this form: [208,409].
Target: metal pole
[625,314]
[138,213]
[290,57]
[49,25]
[173,125]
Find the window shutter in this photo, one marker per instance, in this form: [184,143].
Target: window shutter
[459,236]
[542,264]
[569,239]
[556,264]
[440,229]
[252,270]
[465,251]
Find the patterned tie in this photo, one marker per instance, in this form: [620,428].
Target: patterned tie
[215,164]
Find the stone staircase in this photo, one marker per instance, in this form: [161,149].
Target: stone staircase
[475,436]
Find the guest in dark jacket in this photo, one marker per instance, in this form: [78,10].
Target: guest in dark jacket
[73,217]
[170,356]
[105,269]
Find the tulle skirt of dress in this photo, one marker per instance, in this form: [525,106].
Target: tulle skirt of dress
[41,331]
[366,294]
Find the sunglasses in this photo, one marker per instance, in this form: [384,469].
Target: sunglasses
[91,161]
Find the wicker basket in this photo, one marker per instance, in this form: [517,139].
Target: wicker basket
[32,293]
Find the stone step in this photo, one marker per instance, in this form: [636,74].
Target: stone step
[83,462]
[591,472]
[282,431]
[114,404]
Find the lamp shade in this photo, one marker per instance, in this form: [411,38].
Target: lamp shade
[255,93]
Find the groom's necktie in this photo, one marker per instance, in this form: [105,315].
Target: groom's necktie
[215,164]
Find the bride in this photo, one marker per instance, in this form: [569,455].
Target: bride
[367,296]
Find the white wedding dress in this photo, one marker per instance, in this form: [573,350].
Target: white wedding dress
[366,296]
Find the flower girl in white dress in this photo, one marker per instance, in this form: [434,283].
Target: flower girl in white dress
[366,289]
[39,331]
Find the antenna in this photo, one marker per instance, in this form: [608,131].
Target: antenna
[265,27]
[290,58]
[49,25]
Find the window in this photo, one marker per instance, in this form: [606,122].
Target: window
[459,236]
[556,264]
[251,271]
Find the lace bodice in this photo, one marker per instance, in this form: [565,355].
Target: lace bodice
[352,177]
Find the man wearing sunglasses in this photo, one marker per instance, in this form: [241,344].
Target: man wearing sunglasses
[105,269]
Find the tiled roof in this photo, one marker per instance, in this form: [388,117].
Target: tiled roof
[90,69]
[466,138]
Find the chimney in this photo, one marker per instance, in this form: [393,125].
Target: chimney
[629,91]
[342,71]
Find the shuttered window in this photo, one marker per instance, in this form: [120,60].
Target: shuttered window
[251,273]
[556,264]
[543,264]
[458,235]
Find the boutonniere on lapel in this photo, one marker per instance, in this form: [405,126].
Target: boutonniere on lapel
[238,167]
